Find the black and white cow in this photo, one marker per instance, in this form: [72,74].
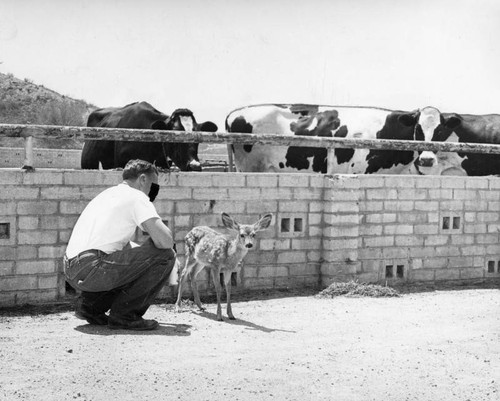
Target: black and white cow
[426,124]
[465,128]
[141,115]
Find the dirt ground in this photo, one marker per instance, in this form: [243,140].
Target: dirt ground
[438,345]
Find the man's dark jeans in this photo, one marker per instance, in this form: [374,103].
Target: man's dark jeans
[125,282]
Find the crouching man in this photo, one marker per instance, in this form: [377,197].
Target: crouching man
[99,262]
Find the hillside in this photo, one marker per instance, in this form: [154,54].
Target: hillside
[24,102]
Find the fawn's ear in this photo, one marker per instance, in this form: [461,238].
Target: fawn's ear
[264,222]
[229,222]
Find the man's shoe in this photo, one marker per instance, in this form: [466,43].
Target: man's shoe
[115,323]
[100,319]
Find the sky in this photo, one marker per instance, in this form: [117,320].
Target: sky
[213,56]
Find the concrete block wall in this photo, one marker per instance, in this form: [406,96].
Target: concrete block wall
[372,228]
[412,228]
[43,158]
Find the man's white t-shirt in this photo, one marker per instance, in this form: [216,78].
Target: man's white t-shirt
[109,221]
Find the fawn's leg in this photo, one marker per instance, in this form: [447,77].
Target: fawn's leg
[216,278]
[227,283]
[197,267]
[184,275]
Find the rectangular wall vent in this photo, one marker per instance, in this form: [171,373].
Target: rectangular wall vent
[4,230]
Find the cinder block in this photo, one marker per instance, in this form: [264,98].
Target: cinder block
[261,282]
[260,207]
[210,193]
[435,263]
[342,219]
[460,239]
[318,207]
[57,222]
[164,207]
[291,257]
[394,253]
[464,194]
[427,182]
[60,193]
[402,229]
[451,205]
[348,181]
[477,183]
[399,206]
[48,281]
[75,207]
[294,180]
[412,218]
[315,219]
[249,271]
[440,194]
[306,269]
[293,206]
[314,256]
[261,181]
[454,182]
[475,205]
[6,268]
[192,180]
[274,244]
[37,237]
[368,277]
[35,267]
[344,195]
[475,228]
[183,221]
[426,205]
[260,258]
[306,243]
[28,222]
[382,193]
[8,208]
[494,205]
[51,252]
[34,297]
[37,207]
[229,180]
[18,193]
[375,181]
[343,255]
[447,274]
[44,177]
[192,207]
[376,242]
[275,193]
[471,273]
[413,194]
[400,181]
[342,207]
[426,229]
[436,240]
[179,193]
[11,177]
[246,194]
[371,206]
[18,283]
[408,240]
[349,231]
[422,275]
[345,243]
[27,252]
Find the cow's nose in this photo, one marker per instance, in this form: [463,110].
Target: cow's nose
[194,166]
[249,245]
[427,162]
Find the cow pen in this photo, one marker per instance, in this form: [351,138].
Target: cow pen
[372,228]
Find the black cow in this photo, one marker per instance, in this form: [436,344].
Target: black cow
[141,115]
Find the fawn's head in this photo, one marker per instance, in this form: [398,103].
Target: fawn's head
[246,232]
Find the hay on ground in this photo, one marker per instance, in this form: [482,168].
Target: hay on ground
[355,289]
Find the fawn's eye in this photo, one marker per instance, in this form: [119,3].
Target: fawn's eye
[242,235]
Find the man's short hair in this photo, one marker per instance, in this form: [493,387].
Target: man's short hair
[134,168]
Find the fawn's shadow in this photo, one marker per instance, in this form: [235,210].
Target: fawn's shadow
[240,322]
[165,329]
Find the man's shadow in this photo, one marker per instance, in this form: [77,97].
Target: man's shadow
[165,329]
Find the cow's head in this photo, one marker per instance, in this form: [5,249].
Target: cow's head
[184,155]
[429,125]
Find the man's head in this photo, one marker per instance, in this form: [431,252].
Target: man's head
[142,175]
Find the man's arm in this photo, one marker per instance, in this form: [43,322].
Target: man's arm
[159,232]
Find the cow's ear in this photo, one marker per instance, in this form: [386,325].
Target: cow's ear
[408,119]
[159,124]
[208,126]
[453,121]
